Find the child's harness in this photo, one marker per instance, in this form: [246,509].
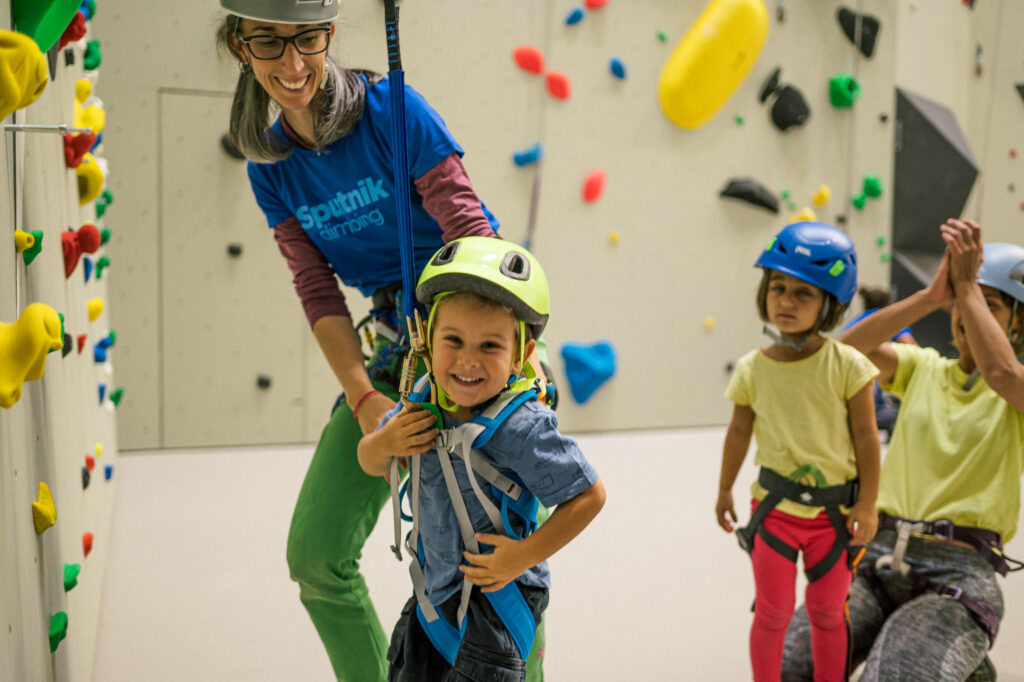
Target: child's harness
[464,442]
[787,488]
[986,542]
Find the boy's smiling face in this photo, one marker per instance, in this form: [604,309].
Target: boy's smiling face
[474,348]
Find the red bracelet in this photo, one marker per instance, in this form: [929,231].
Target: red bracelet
[355,410]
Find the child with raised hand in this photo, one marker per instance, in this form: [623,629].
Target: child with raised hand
[807,401]
[479,567]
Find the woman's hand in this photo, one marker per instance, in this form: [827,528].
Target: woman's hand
[940,291]
[862,523]
[372,411]
[497,568]
[724,509]
[963,241]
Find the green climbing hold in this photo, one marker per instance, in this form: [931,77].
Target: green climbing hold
[102,264]
[858,201]
[93,56]
[784,194]
[115,396]
[872,185]
[880,240]
[90,5]
[739,119]
[62,333]
[71,572]
[30,253]
[662,37]
[104,236]
[111,338]
[842,90]
[885,257]
[58,629]
[790,204]
[105,199]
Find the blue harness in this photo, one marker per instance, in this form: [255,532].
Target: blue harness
[463,442]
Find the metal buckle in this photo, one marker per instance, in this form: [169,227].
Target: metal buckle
[957,593]
[943,529]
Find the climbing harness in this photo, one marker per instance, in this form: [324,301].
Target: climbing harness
[463,442]
[986,542]
[788,488]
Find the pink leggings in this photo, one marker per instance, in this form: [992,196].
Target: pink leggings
[825,599]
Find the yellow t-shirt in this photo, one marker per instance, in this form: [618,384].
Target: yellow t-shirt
[955,454]
[800,413]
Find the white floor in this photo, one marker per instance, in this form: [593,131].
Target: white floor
[198,588]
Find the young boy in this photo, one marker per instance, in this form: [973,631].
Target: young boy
[489,301]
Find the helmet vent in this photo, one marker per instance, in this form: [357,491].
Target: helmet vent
[516,266]
[446,255]
[820,263]
[1018,275]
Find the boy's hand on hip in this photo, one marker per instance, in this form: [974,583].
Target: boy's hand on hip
[492,571]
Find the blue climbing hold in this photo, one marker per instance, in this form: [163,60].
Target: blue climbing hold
[103,392]
[87,267]
[108,471]
[575,16]
[526,157]
[618,68]
[97,143]
[588,367]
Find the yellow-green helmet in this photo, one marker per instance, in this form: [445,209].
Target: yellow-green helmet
[491,268]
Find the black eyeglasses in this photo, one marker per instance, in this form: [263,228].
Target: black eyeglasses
[310,41]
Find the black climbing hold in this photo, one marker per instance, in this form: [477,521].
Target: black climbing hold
[235,250]
[790,109]
[729,367]
[86,476]
[263,381]
[770,86]
[841,219]
[884,118]
[752,192]
[68,345]
[1020,89]
[869,28]
[230,149]
[69,57]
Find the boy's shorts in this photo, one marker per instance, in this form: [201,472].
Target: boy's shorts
[487,651]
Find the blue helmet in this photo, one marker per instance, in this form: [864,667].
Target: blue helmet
[817,253]
[1003,269]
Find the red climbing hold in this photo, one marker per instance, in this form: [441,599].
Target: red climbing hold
[86,543]
[81,342]
[593,186]
[76,146]
[529,59]
[74,31]
[595,4]
[90,462]
[558,85]
[85,240]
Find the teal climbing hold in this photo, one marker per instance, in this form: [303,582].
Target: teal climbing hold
[588,367]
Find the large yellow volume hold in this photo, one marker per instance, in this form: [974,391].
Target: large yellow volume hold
[711,60]
[23,348]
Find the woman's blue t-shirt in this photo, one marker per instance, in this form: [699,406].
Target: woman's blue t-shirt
[343,195]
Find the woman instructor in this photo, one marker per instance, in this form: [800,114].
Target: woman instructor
[318,141]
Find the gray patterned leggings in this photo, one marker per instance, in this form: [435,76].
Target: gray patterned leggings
[929,637]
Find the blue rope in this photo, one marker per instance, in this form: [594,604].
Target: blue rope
[400,163]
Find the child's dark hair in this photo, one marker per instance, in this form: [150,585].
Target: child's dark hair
[835,313]
[874,297]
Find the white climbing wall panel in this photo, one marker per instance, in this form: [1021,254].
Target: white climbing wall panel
[47,434]
[684,255]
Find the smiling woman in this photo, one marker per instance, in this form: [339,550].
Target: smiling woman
[318,140]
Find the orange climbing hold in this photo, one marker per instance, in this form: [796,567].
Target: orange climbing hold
[90,462]
[595,4]
[593,186]
[81,342]
[86,543]
[23,348]
[529,59]
[558,85]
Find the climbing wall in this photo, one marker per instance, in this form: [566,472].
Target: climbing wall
[58,440]
[650,268]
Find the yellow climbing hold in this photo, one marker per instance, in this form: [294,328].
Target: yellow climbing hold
[95,308]
[87,117]
[23,348]
[613,237]
[90,179]
[44,512]
[822,195]
[806,213]
[99,449]
[23,240]
[709,323]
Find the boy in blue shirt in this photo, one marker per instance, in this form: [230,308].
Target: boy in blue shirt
[489,301]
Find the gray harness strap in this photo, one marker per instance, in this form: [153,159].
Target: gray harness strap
[456,441]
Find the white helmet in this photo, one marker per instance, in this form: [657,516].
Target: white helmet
[284,11]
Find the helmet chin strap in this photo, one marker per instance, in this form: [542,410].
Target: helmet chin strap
[796,342]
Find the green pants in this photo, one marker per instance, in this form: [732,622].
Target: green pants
[335,513]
